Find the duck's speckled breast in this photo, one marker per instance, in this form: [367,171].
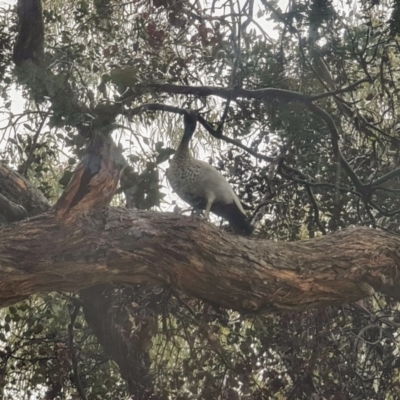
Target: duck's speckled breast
[183,175]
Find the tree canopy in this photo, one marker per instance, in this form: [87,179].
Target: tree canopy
[110,288]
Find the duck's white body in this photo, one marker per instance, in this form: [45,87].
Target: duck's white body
[202,186]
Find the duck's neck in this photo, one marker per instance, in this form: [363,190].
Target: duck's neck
[190,127]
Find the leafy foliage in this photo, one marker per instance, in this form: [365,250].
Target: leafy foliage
[104,58]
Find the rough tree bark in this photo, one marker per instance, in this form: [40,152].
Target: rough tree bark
[195,257]
[18,198]
[111,323]
[47,253]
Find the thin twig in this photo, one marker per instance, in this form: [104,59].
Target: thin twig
[316,210]
[74,360]
[233,75]
[34,142]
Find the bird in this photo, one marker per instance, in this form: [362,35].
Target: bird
[199,184]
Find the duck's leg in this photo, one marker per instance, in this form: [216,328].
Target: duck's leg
[210,201]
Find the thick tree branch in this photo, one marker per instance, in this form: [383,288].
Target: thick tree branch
[339,91]
[214,132]
[109,322]
[260,94]
[17,191]
[235,93]
[191,255]
[390,175]
[10,211]
[29,43]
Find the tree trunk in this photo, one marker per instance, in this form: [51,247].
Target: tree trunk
[120,246]
[112,325]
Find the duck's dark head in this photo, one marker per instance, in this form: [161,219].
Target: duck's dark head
[190,121]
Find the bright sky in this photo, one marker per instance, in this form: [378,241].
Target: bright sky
[7,2]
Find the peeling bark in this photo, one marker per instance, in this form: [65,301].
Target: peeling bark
[195,257]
